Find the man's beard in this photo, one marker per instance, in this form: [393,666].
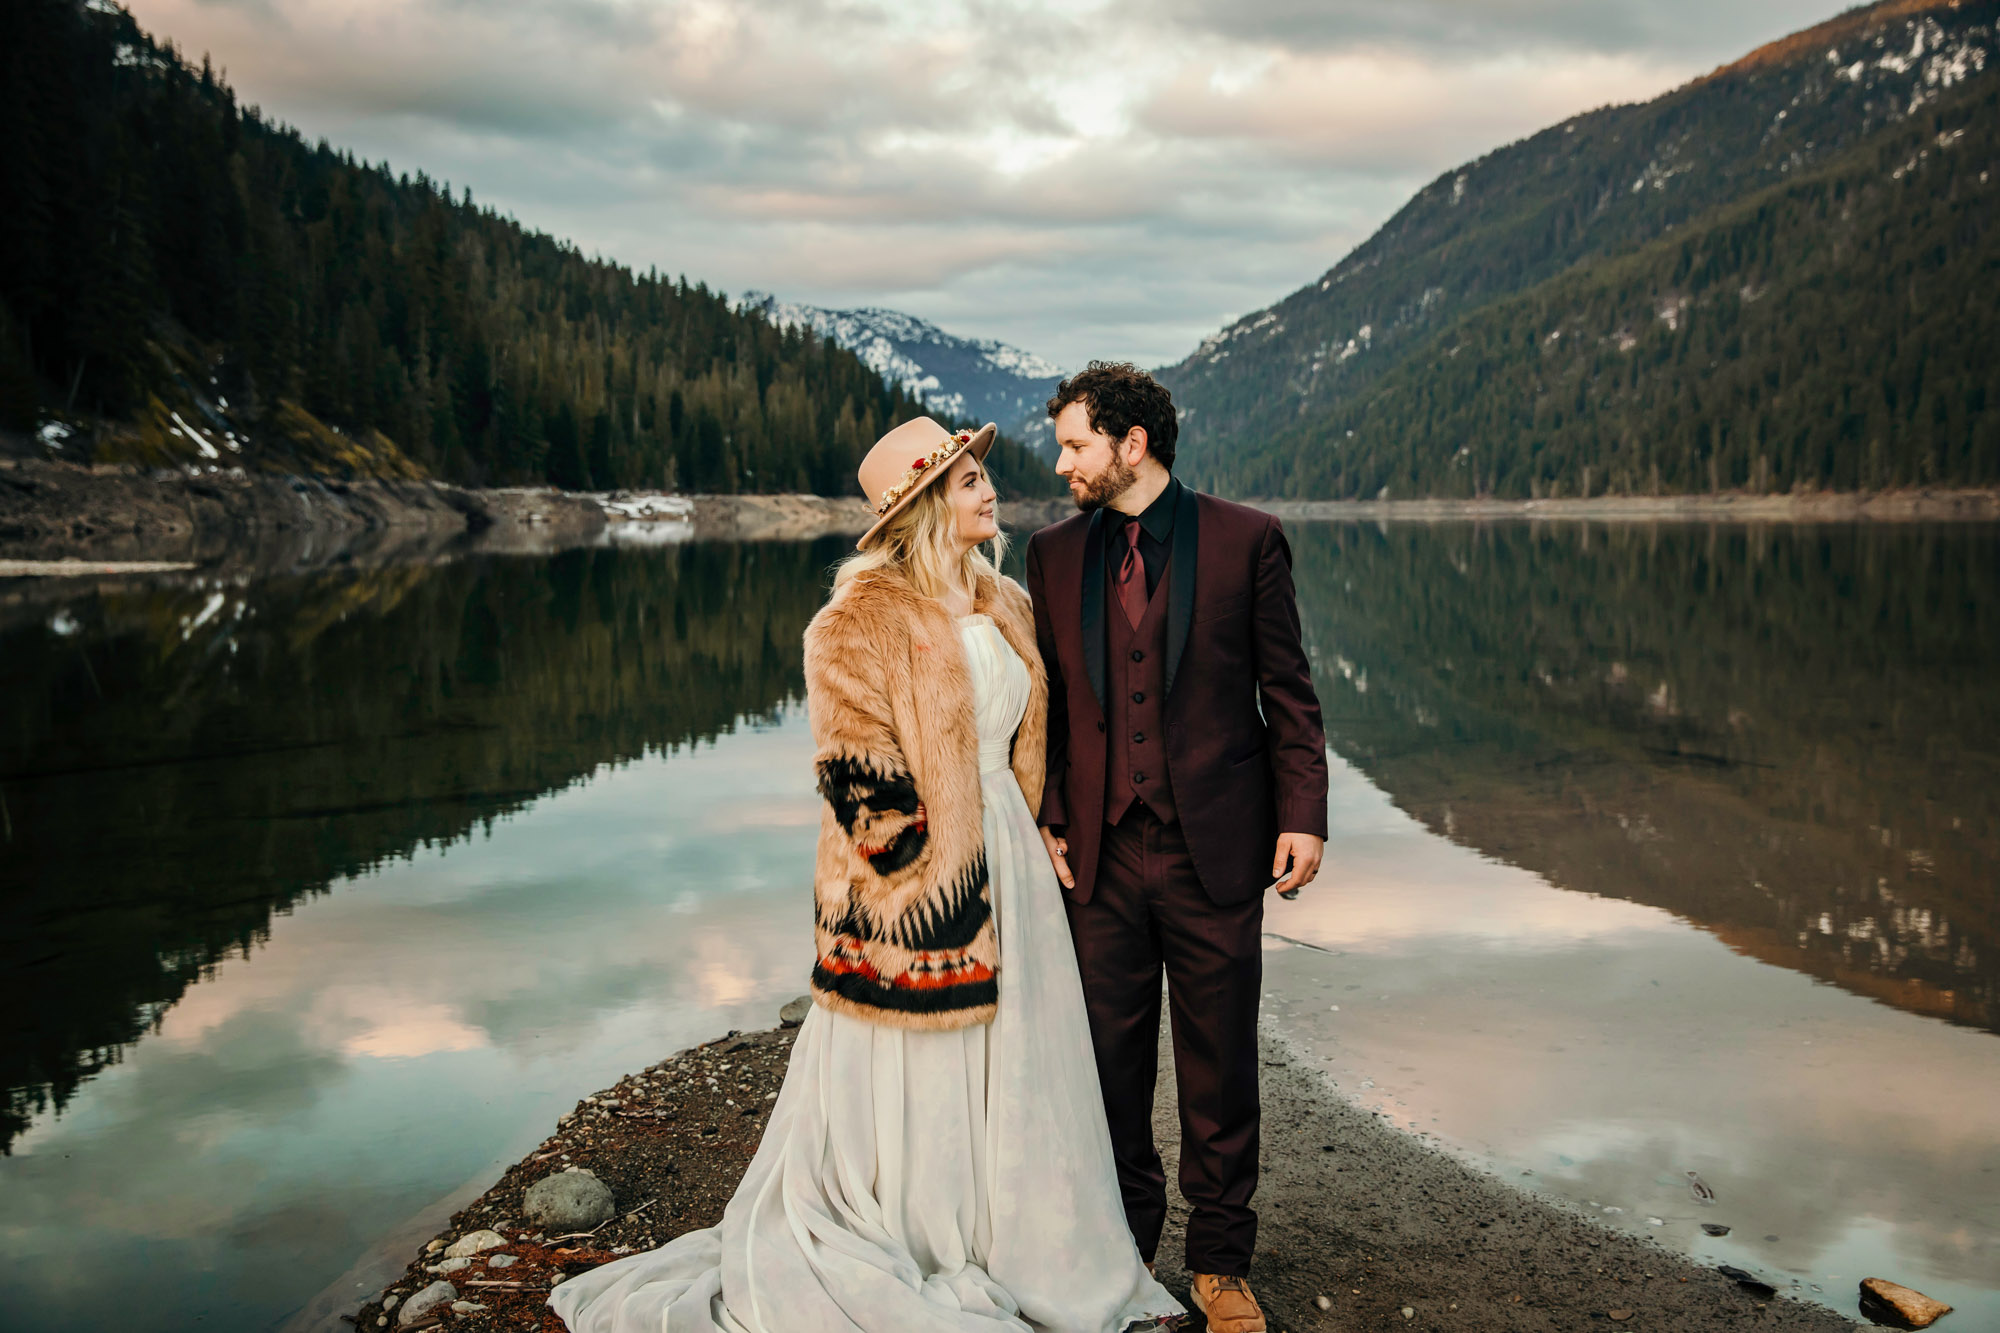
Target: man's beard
[1106,486]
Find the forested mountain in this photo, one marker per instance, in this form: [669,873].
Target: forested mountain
[1779,276]
[183,281]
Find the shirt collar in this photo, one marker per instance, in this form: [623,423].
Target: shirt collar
[1158,517]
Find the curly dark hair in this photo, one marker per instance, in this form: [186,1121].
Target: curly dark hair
[1117,396]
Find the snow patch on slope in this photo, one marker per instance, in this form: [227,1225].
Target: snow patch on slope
[977,379]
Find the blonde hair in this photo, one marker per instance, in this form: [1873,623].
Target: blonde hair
[922,544]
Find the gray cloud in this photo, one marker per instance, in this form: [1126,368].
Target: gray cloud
[1689,27]
[1115,181]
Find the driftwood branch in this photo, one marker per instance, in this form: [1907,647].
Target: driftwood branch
[586,1235]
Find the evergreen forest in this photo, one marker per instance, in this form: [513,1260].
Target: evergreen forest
[1780,277]
[185,282]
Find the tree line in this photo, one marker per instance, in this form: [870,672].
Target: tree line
[1830,332]
[168,253]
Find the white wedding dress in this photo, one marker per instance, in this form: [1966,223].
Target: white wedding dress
[912,1181]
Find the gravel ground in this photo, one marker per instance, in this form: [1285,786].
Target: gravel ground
[1395,1234]
[1391,1233]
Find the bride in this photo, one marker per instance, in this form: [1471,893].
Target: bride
[938,1157]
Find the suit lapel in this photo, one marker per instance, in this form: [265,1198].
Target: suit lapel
[1180,611]
[1093,604]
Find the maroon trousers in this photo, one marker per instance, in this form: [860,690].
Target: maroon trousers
[1149,911]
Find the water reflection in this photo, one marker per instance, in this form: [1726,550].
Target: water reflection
[1598,1049]
[1784,735]
[183,760]
[332,888]
[407,1034]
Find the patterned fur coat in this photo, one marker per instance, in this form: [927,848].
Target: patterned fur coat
[902,912]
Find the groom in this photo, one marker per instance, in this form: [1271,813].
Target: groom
[1186,773]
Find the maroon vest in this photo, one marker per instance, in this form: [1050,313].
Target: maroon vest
[1135,677]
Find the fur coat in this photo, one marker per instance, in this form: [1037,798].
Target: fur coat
[903,914]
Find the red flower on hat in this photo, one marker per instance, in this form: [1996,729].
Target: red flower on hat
[920,464]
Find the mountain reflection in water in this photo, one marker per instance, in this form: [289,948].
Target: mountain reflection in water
[1784,735]
[182,760]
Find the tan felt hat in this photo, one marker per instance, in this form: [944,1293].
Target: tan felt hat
[910,458]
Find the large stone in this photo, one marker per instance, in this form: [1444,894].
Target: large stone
[794,1013]
[426,1302]
[1886,1302]
[474,1243]
[569,1202]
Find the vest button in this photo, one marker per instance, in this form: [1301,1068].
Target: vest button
[1138,696]
[1138,656]
[1138,778]
[1138,738]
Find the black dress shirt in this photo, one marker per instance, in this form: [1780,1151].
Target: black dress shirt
[1156,534]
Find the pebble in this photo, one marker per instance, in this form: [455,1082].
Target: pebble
[568,1202]
[389,1303]
[1323,1302]
[1618,1316]
[501,1261]
[466,1307]
[452,1265]
[475,1243]
[794,1012]
[1409,1313]
[1911,1307]
[425,1301]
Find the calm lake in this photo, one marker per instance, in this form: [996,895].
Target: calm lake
[1656,849]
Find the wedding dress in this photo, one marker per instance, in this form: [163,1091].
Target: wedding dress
[911,1181]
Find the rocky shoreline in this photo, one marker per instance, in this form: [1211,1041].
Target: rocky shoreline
[1363,1227]
[229,519]
[1914,506]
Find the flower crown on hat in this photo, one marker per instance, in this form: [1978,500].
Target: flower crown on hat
[952,444]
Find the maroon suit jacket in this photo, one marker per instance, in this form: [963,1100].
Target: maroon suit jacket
[1245,748]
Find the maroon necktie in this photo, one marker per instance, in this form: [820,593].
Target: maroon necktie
[1132,577]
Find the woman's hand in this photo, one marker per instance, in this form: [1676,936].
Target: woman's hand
[1058,855]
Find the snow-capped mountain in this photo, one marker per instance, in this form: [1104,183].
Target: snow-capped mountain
[975,379]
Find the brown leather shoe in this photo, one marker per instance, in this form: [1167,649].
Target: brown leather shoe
[1227,1304]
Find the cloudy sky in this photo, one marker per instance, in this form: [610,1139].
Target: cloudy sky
[1114,178]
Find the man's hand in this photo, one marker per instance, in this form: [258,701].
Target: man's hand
[1059,855]
[1301,850]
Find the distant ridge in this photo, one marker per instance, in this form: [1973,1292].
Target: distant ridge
[1781,276]
[972,379]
